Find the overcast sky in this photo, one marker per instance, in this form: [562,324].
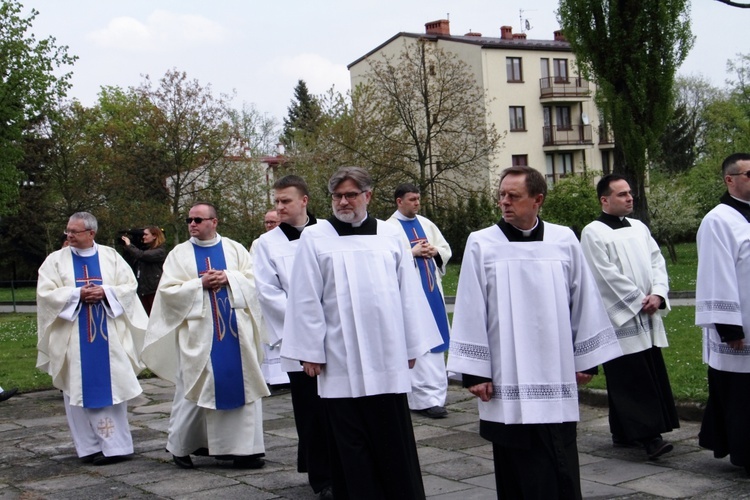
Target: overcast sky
[260,48]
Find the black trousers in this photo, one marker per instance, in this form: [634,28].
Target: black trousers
[374,455]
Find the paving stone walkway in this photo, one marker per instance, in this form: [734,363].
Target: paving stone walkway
[38,461]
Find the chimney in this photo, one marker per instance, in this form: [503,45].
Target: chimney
[519,36]
[559,36]
[440,27]
[506,32]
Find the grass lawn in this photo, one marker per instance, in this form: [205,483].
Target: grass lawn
[18,353]
[21,294]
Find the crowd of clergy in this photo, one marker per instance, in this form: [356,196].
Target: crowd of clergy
[349,312]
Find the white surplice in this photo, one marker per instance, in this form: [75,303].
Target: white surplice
[357,306]
[178,348]
[58,304]
[429,380]
[722,293]
[628,265]
[528,316]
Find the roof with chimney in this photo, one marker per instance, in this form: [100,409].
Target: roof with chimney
[440,30]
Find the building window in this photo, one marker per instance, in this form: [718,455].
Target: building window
[513,68]
[544,68]
[563,118]
[517,118]
[565,163]
[561,70]
[606,166]
[520,160]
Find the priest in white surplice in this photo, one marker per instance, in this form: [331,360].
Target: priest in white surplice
[272,265]
[632,278]
[431,252]
[203,337]
[528,320]
[91,327]
[357,318]
[722,309]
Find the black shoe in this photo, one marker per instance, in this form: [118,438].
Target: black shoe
[90,458]
[434,412]
[250,462]
[102,460]
[201,452]
[326,493]
[8,394]
[658,447]
[183,462]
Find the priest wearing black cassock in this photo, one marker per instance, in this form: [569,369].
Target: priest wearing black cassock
[632,278]
[722,309]
[528,320]
[357,318]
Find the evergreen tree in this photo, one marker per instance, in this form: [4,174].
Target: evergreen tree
[304,117]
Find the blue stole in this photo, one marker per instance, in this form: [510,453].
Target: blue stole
[93,338]
[226,358]
[427,271]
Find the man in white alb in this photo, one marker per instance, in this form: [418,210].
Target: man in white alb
[528,320]
[632,278]
[357,319]
[91,326]
[431,252]
[722,309]
[202,336]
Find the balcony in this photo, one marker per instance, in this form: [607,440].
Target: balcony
[560,88]
[606,137]
[574,135]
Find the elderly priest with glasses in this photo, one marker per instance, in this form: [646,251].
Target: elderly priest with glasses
[90,325]
[202,336]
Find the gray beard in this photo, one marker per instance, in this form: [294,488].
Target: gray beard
[347,217]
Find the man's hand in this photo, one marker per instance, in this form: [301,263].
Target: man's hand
[651,304]
[312,369]
[214,280]
[483,391]
[583,378]
[737,345]
[424,249]
[412,362]
[91,293]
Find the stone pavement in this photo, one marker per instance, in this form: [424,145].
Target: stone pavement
[37,458]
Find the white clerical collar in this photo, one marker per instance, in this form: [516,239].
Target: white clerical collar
[206,243]
[85,252]
[300,228]
[621,217]
[741,201]
[527,232]
[398,215]
[357,224]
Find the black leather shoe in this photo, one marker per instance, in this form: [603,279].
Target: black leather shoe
[90,458]
[8,394]
[248,462]
[102,460]
[658,447]
[326,493]
[183,462]
[434,412]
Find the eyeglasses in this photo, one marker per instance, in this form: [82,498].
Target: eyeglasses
[746,174]
[197,220]
[349,196]
[66,233]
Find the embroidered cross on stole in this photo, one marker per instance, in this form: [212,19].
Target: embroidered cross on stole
[93,338]
[226,359]
[427,271]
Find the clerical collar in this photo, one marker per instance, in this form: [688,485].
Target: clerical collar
[613,221]
[85,252]
[206,243]
[511,232]
[294,232]
[368,226]
[398,215]
[741,206]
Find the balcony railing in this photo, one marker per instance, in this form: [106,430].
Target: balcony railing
[606,136]
[555,86]
[555,135]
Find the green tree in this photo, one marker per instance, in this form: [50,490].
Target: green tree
[631,49]
[30,82]
[674,215]
[572,202]
[303,119]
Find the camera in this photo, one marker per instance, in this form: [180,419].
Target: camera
[135,235]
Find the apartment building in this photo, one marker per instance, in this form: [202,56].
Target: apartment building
[535,95]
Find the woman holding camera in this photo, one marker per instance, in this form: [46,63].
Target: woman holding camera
[147,263]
